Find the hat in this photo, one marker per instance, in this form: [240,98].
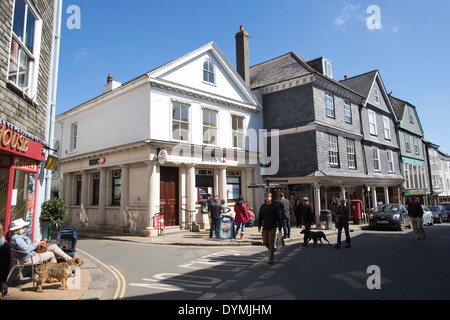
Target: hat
[305,199]
[18,224]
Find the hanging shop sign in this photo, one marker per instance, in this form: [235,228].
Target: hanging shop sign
[16,142]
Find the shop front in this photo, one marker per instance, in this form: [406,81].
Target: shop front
[20,156]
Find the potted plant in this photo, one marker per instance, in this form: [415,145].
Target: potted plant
[53,212]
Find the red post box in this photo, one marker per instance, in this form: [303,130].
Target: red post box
[357,211]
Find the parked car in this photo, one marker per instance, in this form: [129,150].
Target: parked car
[440,213]
[447,205]
[427,216]
[392,215]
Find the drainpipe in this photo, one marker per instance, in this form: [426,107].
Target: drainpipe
[52,89]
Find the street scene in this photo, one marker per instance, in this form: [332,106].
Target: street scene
[233,152]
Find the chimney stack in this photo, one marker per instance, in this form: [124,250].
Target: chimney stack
[110,84]
[242,55]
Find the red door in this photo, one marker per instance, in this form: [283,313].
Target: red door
[169,195]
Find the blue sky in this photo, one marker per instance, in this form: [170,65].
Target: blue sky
[129,38]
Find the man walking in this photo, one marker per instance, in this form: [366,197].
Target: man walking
[269,220]
[285,209]
[308,218]
[215,209]
[415,211]
[342,216]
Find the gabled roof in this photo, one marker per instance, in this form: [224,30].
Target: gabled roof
[400,110]
[213,49]
[285,67]
[364,83]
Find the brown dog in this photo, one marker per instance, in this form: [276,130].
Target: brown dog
[315,236]
[60,271]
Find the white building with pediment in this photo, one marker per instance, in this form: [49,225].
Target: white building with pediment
[159,144]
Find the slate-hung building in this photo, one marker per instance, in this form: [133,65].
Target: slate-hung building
[26,77]
[381,149]
[412,150]
[159,144]
[319,124]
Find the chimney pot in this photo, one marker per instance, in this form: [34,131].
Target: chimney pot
[242,28]
[345,76]
[110,78]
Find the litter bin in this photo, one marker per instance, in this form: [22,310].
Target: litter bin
[226,227]
[357,211]
[327,218]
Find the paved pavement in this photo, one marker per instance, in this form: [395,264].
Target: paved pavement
[92,280]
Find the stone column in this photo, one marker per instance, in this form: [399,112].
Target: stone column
[222,184]
[317,207]
[84,195]
[374,197]
[386,195]
[102,198]
[153,194]
[124,197]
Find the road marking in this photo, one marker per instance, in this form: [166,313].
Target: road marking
[119,277]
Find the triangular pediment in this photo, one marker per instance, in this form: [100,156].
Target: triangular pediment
[188,72]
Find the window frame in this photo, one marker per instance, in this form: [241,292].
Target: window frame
[407,142]
[348,117]
[116,201]
[238,133]
[376,159]
[387,128]
[390,161]
[180,121]
[351,153]
[372,124]
[209,127]
[73,136]
[416,145]
[329,105]
[209,73]
[333,150]
[20,42]
[376,94]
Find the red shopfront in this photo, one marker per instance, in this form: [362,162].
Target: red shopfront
[20,157]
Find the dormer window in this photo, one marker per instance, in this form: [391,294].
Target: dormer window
[327,68]
[208,72]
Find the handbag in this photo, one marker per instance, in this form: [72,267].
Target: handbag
[279,241]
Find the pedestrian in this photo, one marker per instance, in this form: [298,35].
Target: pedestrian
[285,210]
[19,241]
[334,207]
[215,211]
[342,216]
[5,259]
[415,211]
[269,220]
[223,207]
[298,213]
[241,217]
[308,218]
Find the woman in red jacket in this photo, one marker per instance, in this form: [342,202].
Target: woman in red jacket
[241,217]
